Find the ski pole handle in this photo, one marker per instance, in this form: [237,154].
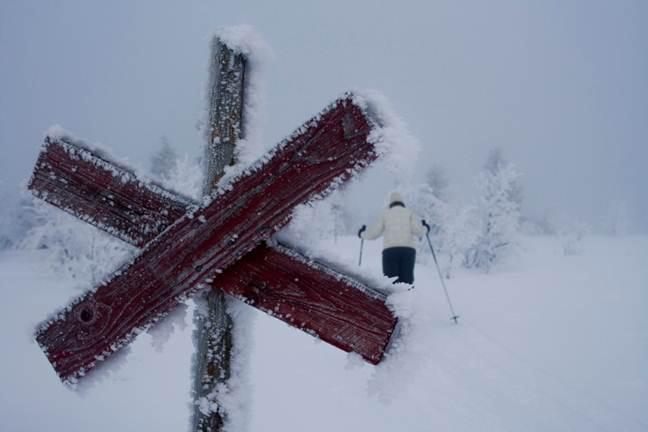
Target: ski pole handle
[425,224]
[361,230]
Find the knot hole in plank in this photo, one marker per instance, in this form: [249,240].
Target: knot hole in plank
[86,313]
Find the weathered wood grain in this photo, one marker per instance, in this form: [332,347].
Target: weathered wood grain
[66,165]
[209,239]
[214,335]
[91,187]
[314,298]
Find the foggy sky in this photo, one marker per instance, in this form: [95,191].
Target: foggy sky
[560,86]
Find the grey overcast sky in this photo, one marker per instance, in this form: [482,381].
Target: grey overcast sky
[560,86]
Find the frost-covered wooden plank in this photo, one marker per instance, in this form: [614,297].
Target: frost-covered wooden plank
[214,336]
[325,152]
[225,114]
[68,163]
[314,298]
[88,185]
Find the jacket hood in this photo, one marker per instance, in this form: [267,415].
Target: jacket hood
[395,197]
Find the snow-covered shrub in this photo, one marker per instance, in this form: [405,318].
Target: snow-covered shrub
[572,236]
[314,222]
[164,161]
[534,226]
[6,237]
[186,177]
[460,234]
[453,226]
[81,250]
[429,200]
[494,163]
[437,179]
[339,216]
[17,220]
[423,201]
[498,211]
[72,247]
[182,174]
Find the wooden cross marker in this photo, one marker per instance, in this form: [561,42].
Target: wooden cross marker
[221,243]
[214,334]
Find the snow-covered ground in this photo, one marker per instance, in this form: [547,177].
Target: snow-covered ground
[547,342]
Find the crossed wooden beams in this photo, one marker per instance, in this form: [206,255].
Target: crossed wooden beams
[223,243]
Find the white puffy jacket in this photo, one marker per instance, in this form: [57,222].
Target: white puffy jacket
[398,226]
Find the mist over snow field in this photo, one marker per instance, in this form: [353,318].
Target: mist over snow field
[521,120]
[546,342]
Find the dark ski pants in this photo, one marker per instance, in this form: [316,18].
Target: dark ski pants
[399,261]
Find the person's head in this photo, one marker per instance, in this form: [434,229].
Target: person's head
[395,199]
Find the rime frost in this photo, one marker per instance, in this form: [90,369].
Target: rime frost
[393,140]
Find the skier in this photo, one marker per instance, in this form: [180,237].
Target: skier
[398,226]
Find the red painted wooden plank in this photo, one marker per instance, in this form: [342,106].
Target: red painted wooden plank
[326,150]
[65,173]
[314,298]
[90,186]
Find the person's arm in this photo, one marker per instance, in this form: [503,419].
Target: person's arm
[374,231]
[416,226]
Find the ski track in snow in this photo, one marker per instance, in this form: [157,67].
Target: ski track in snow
[546,342]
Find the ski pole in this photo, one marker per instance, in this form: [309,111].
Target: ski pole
[454,316]
[360,231]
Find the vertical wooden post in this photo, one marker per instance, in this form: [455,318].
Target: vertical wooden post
[214,329]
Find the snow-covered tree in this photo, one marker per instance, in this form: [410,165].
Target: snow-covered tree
[70,246]
[572,238]
[460,233]
[498,213]
[83,251]
[11,226]
[424,203]
[437,179]
[337,212]
[430,199]
[453,231]
[494,162]
[421,199]
[452,227]
[180,173]
[186,176]
[315,221]
[164,161]
[19,220]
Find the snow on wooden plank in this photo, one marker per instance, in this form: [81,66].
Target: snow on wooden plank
[325,152]
[359,322]
[314,298]
[82,182]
